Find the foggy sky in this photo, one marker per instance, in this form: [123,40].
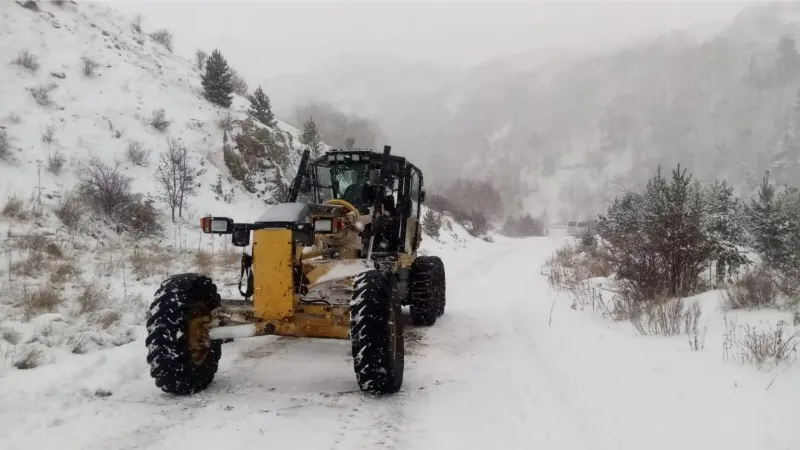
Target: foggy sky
[262,39]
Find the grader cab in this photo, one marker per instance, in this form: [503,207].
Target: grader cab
[339,265]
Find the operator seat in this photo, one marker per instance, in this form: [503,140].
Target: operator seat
[355,195]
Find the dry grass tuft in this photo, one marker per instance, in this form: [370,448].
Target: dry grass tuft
[13,208]
[755,289]
[45,299]
[64,272]
[91,298]
[28,358]
[204,262]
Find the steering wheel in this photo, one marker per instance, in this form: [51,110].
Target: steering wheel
[339,202]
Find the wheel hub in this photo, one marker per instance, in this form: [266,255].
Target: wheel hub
[198,335]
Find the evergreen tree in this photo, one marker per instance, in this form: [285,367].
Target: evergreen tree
[261,108]
[767,225]
[725,229]
[349,143]
[310,136]
[218,80]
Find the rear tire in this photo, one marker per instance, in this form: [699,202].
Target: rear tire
[376,333]
[440,286]
[426,290]
[182,359]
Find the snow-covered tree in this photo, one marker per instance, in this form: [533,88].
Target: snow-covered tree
[310,136]
[726,228]
[767,225]
[658,240]
[218,80]
[261,108]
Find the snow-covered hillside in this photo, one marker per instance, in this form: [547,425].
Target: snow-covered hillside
[86,286]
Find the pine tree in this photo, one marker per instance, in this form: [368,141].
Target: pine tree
[349,143]
[310,136]
[261,108]
[767,225]
[218,80]
[725,229]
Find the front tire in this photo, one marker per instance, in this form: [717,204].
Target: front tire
[182,358]
[376,333]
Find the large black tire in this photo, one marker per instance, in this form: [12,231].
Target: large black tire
[376,333]
[426,294]
[177,366]
[439,286]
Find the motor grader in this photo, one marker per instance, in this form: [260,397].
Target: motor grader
[338,265]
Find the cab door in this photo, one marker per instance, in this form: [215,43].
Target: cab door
[413,230]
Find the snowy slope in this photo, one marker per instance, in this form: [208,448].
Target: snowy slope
[98,282]
[99,115]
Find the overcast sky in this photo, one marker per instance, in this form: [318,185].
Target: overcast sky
[266,38]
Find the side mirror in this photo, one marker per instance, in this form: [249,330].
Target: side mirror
[422,197]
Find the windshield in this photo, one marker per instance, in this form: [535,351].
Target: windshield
[345,181]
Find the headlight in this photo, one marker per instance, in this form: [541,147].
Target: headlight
[323,225]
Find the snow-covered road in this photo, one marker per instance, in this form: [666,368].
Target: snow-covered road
[490,374]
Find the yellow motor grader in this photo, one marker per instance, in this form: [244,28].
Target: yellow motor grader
[339,265]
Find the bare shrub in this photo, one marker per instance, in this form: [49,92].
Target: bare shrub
[31,265]
[239,84]
[105,187]
[29,358]
[44,300]
[665,317]
[176,177]
[105,318]
[138,20]
[159,120]
[12,208]
[5,145]
[70,209]
[42,94]
[49,134]
[226,122]
[571,269]
[146,263]
[89,66]
[31,243]
[27,60]
[200,58]
[163,37]
[203,261]
[90,299]
[137,154]
[55,162]
[765,348]
[755,289]
[140,218]
[64,272]
[53,250]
